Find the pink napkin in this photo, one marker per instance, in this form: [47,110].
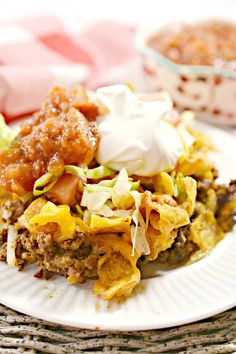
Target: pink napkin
[37,53]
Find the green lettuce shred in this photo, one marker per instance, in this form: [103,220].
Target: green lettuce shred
[99,172]
[47,181]
[6,134]
[79,210]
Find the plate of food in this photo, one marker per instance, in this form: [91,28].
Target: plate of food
[117,213]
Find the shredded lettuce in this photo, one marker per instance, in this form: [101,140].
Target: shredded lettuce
[179,187]
[134,185]
[47,181]
[74,170]
[117,191]
[111,182]
[176,189]
[142,245]
[134,228]
[93,188]
[138,230]
[185,192]
[108,182]
[94,200]
[118,198]
[99,172]
[6,134]
[11,246]
[94,173]
[105,210]
[87,217]
[79,210]
[121,189]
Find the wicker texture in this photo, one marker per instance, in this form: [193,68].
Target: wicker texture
[21,334]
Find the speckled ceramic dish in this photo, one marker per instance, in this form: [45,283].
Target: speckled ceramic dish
[209,91]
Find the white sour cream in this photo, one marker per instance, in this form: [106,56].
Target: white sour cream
[134,136]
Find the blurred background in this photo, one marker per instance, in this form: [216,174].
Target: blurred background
[51,42]
[139,12]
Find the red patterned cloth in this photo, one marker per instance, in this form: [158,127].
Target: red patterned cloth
[37,53]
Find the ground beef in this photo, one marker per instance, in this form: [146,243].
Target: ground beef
[64,131]
[180,251]
[43,274]
[3,252]
[11,210]
[225,197]
[3,235]
[225,212]
[76,259]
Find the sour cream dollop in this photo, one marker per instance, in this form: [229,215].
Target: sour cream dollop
[134,136]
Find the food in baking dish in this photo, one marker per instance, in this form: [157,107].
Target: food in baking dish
[207,43]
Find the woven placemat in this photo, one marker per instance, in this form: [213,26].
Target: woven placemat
[24,334]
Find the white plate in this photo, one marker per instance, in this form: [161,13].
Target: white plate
[181,296]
